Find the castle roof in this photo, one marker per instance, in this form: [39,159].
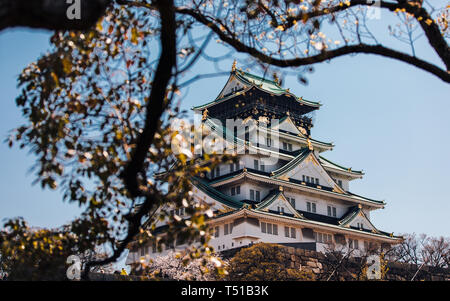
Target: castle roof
[251,81]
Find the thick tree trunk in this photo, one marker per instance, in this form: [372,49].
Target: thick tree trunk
[51,14]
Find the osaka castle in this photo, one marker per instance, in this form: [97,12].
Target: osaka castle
[281,189]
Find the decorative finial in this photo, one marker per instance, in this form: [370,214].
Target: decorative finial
[359,206]
[280,188]
[233,67]
[275,78]
[205,115]
[309,144]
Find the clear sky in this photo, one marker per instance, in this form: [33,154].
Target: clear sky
[384,116]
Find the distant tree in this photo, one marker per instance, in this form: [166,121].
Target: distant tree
[343,263]
[35,254]
[421,250]
[264,262]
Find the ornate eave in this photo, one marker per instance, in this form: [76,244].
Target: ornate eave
[269,216]
[339,169]
[350,197]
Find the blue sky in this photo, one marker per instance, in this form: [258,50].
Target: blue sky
[384,116]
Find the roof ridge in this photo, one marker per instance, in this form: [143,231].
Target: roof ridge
[261,78]
[349,169]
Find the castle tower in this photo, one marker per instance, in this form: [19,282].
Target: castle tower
[281,189]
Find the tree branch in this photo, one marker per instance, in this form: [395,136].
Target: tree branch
[324,56]
[155,108]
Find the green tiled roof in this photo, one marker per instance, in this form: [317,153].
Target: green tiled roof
[263,84]
[270,86]
[272,196]
[351,215]
[215,194]
[304,152]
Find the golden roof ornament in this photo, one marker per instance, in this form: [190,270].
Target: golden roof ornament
[359,206]
[275,78]
[280,188]
[205,115]
[309,144]
[233,67]
[302,131]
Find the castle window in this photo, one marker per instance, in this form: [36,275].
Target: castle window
[256,164]
[311,207]
[216,231]
[255,195]
[292,201]
[236,190]
[289,232]
[231,167]
[228,229]
[269,228]
[215,172]
[293,232]
[317,181]
[323,237]
[290,147]
[269,141]
[353,244]
[331,211]
[262,168]
[284,145]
